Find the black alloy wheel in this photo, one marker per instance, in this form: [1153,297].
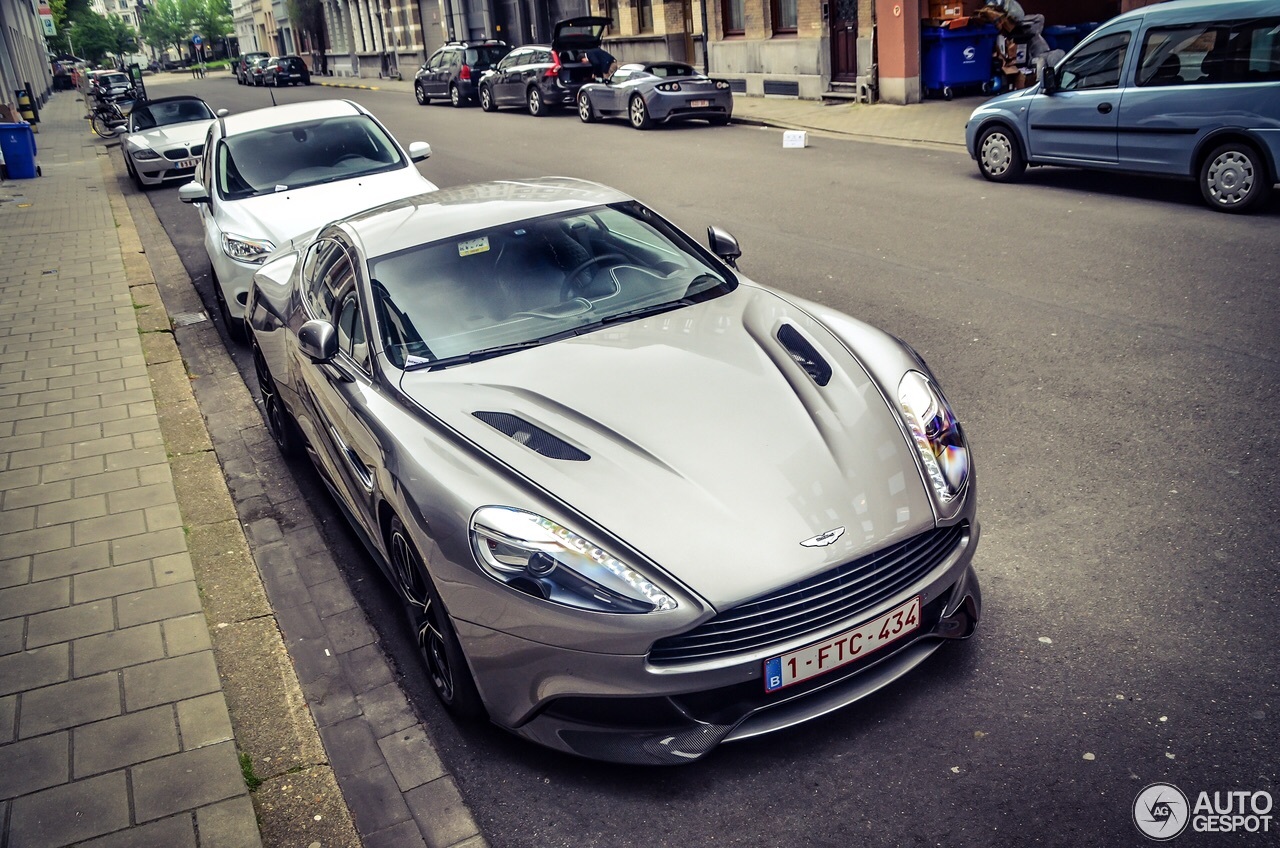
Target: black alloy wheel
[534,98]
[487,103]
[446,666]
[280,424]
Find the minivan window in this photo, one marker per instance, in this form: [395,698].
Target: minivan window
[1096,65]
[1212,53]
[484,57]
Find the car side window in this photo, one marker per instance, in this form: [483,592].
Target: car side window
[1208,54]
[351,335]
[436,60]
[620,76]
[1097,65]
[510,59]
[326,272]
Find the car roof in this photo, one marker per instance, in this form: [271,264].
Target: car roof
[153,100]
[450,212]
[1194,11]
[287,113]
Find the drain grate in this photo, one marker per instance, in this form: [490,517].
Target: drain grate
[186,319]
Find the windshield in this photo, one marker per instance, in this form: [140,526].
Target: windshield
[303,154]
[173,112]
[492,291]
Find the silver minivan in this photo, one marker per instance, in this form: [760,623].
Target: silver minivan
[1188,88]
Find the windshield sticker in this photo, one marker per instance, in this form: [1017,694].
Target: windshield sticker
[475,245]
[412,360]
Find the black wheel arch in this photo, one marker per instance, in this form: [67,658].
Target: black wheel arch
[1005,124]
[1225,135]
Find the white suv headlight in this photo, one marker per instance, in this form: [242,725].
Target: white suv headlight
[242,249]
[541,558]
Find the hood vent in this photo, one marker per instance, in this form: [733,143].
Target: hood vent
[534,438]
[805,354]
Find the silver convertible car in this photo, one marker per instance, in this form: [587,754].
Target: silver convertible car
[648,93]
[634,503]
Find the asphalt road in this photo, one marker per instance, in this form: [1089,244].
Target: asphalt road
[1112,348]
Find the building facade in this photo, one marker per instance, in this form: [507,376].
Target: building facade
[23,58]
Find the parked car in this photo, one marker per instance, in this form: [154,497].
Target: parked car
[110,85]
[1187,89]
[270,174]
[242,65]
[285,70]
[164,139]
[453,71]
[649,93]
[542,77]
[634,504]
[255,69]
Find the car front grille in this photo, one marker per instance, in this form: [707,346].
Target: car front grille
[813,605]
[176,155]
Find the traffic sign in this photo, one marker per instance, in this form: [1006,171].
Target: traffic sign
[197,40]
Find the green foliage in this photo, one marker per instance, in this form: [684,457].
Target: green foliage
[308,16]
[210,18]
[94,35]
[166,23]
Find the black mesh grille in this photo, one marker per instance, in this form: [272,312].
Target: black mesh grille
[841,594]
[532,437]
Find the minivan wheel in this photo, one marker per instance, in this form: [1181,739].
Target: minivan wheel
[999,158]
[536,107]
[446,666]
[421,95]
[486,99]
[455,97]
[1233,178]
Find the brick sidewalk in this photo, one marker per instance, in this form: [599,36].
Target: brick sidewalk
[113,722]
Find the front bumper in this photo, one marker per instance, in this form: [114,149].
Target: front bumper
[625,709]
[159,171]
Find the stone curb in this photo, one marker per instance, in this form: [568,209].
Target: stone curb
[293,590]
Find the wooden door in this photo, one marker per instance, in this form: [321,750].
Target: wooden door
[844,40]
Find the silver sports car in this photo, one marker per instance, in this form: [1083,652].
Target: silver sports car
[634,503]
[648,93]
[165,138]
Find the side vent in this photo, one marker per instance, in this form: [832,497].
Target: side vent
[805,355]
[534,438]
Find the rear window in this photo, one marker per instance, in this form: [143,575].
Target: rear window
[485,57]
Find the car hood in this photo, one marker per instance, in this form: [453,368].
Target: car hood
[189,132]
[710,451]
[284,215]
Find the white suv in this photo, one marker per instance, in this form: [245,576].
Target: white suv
[270,175]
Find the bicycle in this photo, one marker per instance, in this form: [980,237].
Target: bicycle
[107,118]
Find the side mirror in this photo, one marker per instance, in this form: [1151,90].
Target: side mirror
[193,192]
[1048,77]
[222,113]
[724,245]
[318,340]
[419,150]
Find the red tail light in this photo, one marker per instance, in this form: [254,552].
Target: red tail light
[465,73]
[553,71]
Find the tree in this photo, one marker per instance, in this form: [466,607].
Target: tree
[165,24]
[94,36]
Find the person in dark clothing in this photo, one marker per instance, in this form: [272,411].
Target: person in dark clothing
[602,62]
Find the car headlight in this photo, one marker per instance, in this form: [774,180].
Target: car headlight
[144,154]
[937,435]
[539,557]
[253,251]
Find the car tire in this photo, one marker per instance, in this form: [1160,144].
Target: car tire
[235,329]
[720,120]
[533,97]
[420,94]
[585,113]
[1234,178]
[447,668]
[455,97]
[999,157]
[133,174]
[487,103]
[638,113]
[280,424]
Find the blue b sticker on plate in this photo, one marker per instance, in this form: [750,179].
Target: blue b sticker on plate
[773,674]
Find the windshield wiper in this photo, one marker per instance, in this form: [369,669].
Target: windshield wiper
[486,353]
[645,311]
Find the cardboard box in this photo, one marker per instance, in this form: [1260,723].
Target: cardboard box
[795,138]
[946,10]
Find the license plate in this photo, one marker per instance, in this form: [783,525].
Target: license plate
[700,104]
[186,163]
[850,646]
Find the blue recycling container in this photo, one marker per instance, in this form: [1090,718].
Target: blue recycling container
[951,58]
[18,143]
[1062,37]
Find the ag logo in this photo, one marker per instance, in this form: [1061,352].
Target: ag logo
[1161,812]
[824,539]
[970,54]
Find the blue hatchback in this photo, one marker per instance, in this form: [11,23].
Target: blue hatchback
[1189,89]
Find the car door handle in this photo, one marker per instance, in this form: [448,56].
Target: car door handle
[1104,108]
[362,472]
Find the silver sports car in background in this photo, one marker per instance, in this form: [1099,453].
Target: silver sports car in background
[634,503]
[648,93]
[164,139]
